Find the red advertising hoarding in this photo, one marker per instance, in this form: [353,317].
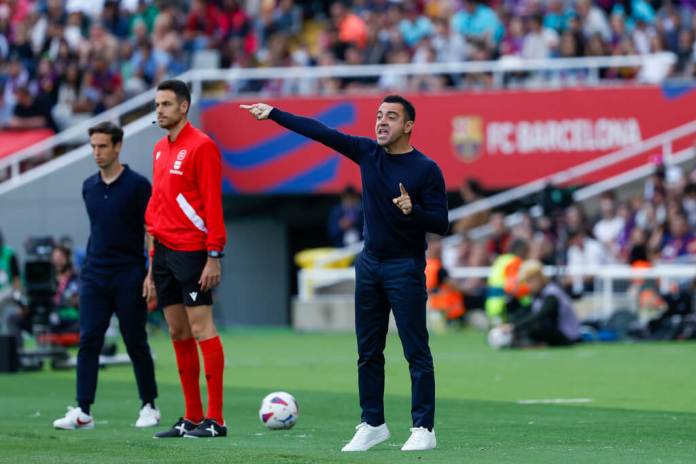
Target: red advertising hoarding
[502,138]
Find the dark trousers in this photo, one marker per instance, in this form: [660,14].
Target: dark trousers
[399,284]
[103,294]
[550,335]
[545,330]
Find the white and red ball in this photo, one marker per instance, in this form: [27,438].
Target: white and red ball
[279,410]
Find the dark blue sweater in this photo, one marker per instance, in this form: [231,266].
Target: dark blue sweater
[388,232]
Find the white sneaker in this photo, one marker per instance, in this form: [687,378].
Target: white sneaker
[367,436]
[421,439]
[74,419]
[149,417]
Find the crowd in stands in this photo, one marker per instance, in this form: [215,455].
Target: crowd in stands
[64,60]
[653,228]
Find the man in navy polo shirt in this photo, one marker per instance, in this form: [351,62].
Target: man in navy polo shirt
[113,277]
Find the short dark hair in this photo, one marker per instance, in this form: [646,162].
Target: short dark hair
[408,106]
[179,87]
[108,128]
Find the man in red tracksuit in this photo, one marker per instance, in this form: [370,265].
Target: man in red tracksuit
[184,217]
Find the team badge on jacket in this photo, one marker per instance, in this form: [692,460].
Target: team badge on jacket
[176,168]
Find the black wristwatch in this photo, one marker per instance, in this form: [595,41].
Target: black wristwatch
[215,254]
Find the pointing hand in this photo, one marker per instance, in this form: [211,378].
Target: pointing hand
[258,110]
[403,202]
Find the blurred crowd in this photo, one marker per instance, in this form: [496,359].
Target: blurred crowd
[64,60]
[654,227]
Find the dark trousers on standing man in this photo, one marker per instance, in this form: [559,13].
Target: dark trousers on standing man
[102,294]
[398,284]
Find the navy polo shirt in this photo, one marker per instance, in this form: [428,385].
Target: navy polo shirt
[116,220]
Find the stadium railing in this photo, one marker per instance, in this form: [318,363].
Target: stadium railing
[635,174]
[75,135]
[654,68]
[607,296]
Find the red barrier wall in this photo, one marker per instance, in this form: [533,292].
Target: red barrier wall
[501,138]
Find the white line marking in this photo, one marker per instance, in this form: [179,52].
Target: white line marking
[557,401]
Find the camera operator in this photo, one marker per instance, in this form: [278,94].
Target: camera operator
[32,308]
[9,269]
[11,308]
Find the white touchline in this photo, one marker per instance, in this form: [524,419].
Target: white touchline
[556,401]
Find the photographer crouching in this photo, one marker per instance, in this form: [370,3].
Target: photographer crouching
[551,319]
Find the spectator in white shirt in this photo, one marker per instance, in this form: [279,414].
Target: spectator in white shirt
[584,252]
[539,41]
[608,229]
[593,19]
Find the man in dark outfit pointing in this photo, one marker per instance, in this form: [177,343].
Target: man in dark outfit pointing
[403,198]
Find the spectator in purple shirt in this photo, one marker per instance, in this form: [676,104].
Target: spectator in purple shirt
[679,241]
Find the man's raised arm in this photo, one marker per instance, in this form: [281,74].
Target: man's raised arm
[345,144]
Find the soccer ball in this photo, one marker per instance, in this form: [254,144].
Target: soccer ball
[279,410]
[499,338]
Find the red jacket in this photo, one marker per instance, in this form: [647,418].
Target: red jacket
[185,210]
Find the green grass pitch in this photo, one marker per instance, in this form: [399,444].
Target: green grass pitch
[640,405]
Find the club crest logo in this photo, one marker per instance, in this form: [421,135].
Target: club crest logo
[179,159]
[467,137]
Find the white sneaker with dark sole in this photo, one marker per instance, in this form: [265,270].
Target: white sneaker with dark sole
[421,439]
[148,417]
[367,436]
[74,419]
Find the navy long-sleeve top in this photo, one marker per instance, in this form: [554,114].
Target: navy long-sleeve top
[388,232]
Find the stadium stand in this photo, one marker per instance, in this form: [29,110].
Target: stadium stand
[82,57]
[72,59]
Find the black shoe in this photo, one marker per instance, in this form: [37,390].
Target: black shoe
[178,430]
[207,429]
